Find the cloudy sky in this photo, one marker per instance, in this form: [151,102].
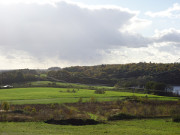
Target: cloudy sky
[46,33]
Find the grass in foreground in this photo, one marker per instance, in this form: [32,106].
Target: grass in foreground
[133,127]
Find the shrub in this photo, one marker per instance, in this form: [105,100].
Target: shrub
[33,111]
[52,106]
[121,116]
[99,91]
[137,99]
[5,106]
[80,100]
[54,84]
[176,118]
[27,109]
[92,100]
[73,91]
[18,111]
[3,117]
[68,90]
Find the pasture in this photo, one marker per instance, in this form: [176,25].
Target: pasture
[46,95]
[124,127]
[42,108]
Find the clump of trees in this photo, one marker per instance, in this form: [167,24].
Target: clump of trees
[17,76]
[158,88]
[151,85]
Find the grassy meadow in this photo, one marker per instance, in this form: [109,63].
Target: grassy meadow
[45,95]
[132,127]
[30,107]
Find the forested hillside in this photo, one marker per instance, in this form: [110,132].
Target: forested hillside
[134,74]
[126,74]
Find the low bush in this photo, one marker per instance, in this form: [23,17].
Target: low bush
[5,106]
[29,110]
[80,100]
[121,116]
[92,100]
[69,91]
[18,111]
[99,91]
[76,122]
[137,99]
[176,118]
[33,111]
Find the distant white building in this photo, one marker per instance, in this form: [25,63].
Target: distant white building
[7,86]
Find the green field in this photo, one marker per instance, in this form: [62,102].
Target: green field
[48,95]
[60,95]
[133,127]
[73,85]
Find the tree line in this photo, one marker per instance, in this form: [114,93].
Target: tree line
[18,76]
[124,74]
[119,75]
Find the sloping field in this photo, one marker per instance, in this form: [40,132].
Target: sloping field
[63,95]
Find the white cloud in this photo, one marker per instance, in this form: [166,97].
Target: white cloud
[156,52]
[7,2]
[172,12]
[63,33]
[135,25]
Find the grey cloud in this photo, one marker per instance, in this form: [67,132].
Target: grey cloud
[171,35]
[67,31]
[10,57]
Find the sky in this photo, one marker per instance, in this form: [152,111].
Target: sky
[46,33]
